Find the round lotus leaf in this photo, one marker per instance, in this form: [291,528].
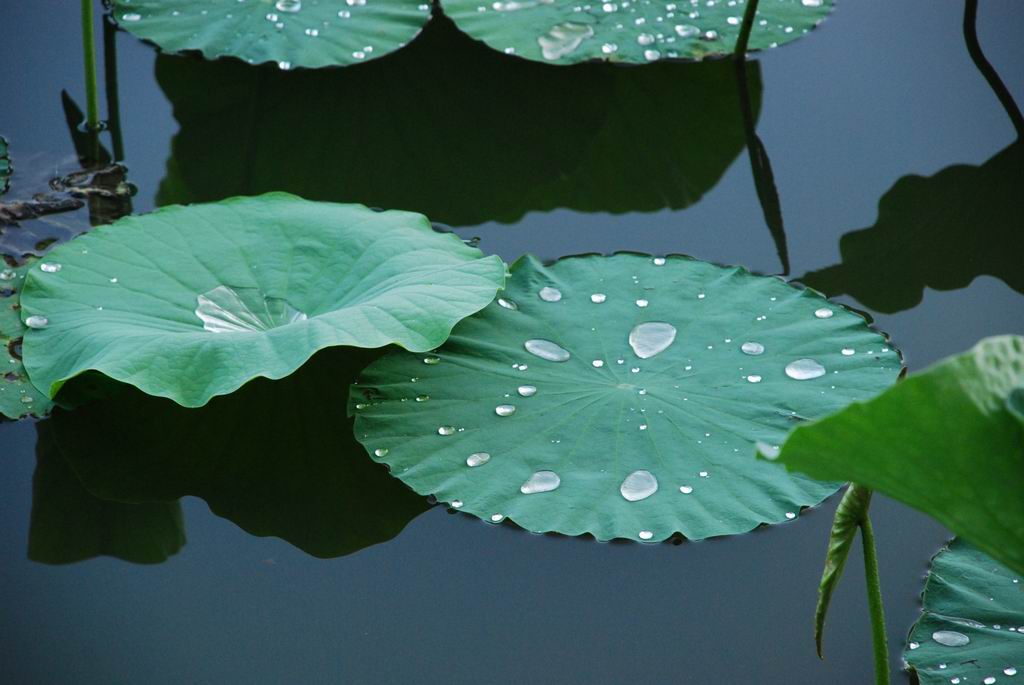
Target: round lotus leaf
[192,302]
[622,397]
[292,33]
[642,31]
[972,628]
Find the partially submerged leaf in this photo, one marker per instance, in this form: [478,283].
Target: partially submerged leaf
[18,397]
[276,458]
[6,169]
[945,441]
[853,508]
[455,131]
[69,524]
[290,33]
[621,396]
[192,302]
[972,628]
[639,32]
[938,232]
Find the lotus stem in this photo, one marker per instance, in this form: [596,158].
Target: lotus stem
[879,641]
[91,90]
[748,22]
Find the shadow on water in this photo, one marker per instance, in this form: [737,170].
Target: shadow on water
[276,457]
[457,131]
[940,231]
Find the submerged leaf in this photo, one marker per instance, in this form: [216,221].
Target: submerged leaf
[193,302]
[945,441]
[291,33]
[853,508]
[642,31]
[938,232]
[276,458]
[69,524]
[971,631]
[18,397]
[640,383]
[455,131]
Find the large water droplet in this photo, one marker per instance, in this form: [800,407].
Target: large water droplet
[36,321]
[645,535]
[1010,670]
[446,430]
[549,294]
[527,390]
[381,452]
[824,313]
[804,370]
[505,409]
[563,39]
[545,349]
[950,638]
[542,481]
[288,5]
[752,348]
[639,485]
[507,303]
[232,310]
[598,298]
[848,351]
[478,459]
[651,338]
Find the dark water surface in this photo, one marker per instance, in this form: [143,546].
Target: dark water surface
[883,90]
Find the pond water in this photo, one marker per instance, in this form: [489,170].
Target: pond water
[881,91]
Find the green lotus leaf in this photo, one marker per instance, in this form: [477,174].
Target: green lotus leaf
[292,33]
[192,302]
[276,458]
[463,159]
[563,32]
[937,232]
[6,169]
[621,396]
[948,441]
[18,397]
[69,524]
[971,631]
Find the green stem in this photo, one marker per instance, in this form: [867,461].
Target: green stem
[748,23]
[91,90]
[879,641]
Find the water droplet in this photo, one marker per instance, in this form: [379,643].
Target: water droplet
[651,338]
[422,398]
[431,360]
[609,48]
[639,485]
[597,363]
[288,5]
[381,452]
[542,481]
[478,459]
[752,348]
[27,400]
[545,349]
[914,645]
[563,39]
[497,518]
[284,66]
[131,16]
[598,298]
[804,370]
[642,303]
[651,55]
[686,489]
[456,504]
[505,409]
[36,321]
[234,310]
[811,3]
[989,680]
[1010,670]
[7,275]
[687,31]
[790,515]
[549,294]
[753,378]
[446,430]
[527,390]
[50,268]
[508,304]
[824,313]
[950,638]
[646,535]
[658,261]
[848,351]
[732,21]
